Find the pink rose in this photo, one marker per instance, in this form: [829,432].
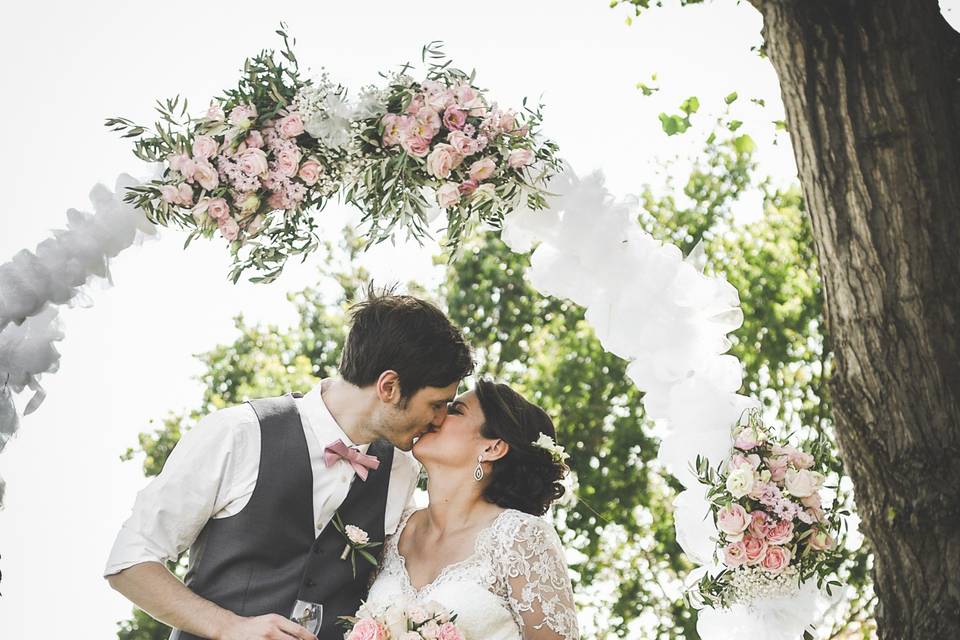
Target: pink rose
[182,164]
[242,114]
[448,194]
[290,126]
[206,174]
[746,439]
[367,629]
[801,459]
[229,228]
[507,122]
[417,615]
[254,140]
[170,194]
[468,186]
[288,161]
[776,559]
[449,631]
[778,467]
[733,520]
[218,209]
[780,533]
[467,97]
[520,158]
[184,195]
[802,483]
[754,549]
[812,501]
[204,147]
[734,554]
[310,171]
[758,524]
[454,118]
[442,160]
[277,201]
[392,126]
[415,145]
[820,540]
[429,630]
[415,105]
[464,144]
[440,99]
[253,162]
[482,169]
[739,460]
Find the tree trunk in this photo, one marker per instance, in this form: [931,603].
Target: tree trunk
[872,95]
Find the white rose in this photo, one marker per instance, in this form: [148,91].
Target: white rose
[448,194]
[740,482]
[802,483]
[356,534]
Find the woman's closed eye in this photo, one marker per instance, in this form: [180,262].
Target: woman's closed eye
[454,408]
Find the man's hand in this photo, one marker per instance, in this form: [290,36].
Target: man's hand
[268,627]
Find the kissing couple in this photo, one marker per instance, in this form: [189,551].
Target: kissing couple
[284,502]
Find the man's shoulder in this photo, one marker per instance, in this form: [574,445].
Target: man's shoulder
[237,418]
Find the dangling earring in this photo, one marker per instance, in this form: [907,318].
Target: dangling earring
[478,472]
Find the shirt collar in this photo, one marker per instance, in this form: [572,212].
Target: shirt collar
[321,422]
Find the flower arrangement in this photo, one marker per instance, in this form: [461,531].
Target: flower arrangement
[443,136]
[264,154]
[403,621]
[774,531]
[357,542]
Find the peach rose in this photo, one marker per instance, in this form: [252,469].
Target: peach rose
[442,160]
[448,194]
[290,126]
[776,559]
[310,171]
[415,145]
[482,169]
[754,549]
[520,158]
[204,147]
[253,162]
[367,629]
[780,533]
[733,520]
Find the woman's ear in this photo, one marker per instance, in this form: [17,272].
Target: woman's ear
[497,450]
[388,387]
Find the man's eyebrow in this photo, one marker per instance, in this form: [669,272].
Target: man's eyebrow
[458,404]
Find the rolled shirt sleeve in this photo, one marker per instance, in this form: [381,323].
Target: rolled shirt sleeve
[196,484]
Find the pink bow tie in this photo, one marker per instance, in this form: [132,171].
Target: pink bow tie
[360,462]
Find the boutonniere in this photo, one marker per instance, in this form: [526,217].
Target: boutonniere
[357,542]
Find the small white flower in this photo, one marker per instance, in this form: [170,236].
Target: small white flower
[356,535]
[740,482]
[547,443]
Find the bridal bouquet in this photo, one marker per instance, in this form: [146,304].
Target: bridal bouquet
[441,141]
[774,532]
[403,621]
[251,167]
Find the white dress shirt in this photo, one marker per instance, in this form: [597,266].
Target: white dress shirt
[212,471]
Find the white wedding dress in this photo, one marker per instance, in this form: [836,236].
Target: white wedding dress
[515,579]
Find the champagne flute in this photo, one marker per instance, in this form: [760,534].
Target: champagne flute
[308,615]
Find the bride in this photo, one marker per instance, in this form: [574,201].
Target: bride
[480,548]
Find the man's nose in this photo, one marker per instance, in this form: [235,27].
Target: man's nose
[439,416]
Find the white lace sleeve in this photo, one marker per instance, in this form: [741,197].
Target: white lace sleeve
[534,571]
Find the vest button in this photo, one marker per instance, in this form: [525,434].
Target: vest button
[316,549]
[310,583]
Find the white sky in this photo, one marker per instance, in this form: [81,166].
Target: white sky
[127,360]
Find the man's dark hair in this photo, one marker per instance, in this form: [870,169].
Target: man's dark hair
[407,335]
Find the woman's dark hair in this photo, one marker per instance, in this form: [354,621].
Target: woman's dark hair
[407,335]
[527,478]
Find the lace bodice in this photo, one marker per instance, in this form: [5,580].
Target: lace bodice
[514,585]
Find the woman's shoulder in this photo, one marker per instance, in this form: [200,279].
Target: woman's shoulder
[514,527]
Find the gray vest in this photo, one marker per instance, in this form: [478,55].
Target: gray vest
[265,558]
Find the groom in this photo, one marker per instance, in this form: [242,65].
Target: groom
[253,489]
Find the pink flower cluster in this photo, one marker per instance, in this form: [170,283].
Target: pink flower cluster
[772,506]
[405,621]
[241,169]
[465,142]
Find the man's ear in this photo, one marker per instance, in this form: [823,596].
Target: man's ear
[497,450]
[388,387]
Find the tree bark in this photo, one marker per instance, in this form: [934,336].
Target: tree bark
[872,96]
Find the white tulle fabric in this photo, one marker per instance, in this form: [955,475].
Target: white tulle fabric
[33,282]
[515,580]
[650,305]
